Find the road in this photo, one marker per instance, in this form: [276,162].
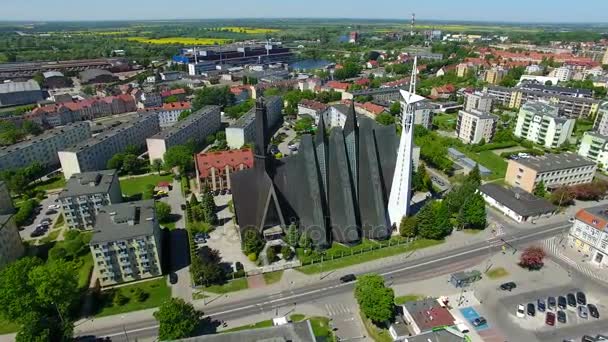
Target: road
[324,290]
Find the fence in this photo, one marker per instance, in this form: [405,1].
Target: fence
[274,268]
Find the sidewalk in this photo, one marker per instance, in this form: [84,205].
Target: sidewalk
[560,248]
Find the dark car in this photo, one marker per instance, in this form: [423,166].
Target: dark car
[581,299]
[540,303]
[479,321]
[508,286]
[531,310]
[561,302]
[587,338]
[561,317]
[183,207]
[593,311]
[173,278]
[50,212]
[348,278]
[551,303]
[601,338]
[37,232]
[550,319]
[571,300]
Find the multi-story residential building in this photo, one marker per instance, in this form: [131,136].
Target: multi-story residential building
[213,169]
[11,247]
[88,109]
[495,75]
[334,116]
[554,170]
[589,233]
[563,74]
[127,243]
[464,69]
[605,58]
[594,146]
[93,154]
[19,93]
[474,126]
[388,94]
[601,120]
[540,123]
[43,148]
[423,114]
[311,108]
[478,101]
[196,127]
[168,113]
[84,195]
[243,131]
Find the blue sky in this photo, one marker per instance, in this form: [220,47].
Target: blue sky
[484,10]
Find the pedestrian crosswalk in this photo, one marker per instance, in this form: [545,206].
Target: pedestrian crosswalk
[552,247]
[337,309]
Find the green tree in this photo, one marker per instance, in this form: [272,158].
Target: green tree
[473,213]
[292,236]
[220,96]
[209,207]
[395,108]
[377,302]
[271,255]
[88,90]
[184,114]
[385,119]
[409,227]
[115,163]
[177,319]
[540,190]
[179,156]
[303,125]
[193,200]
[305,241]
[562,196]
[163,211]
[434,221]
[421,180]
[171,99]
[474,177]
[157,165]
[252,242]
[131,164]
[287,252]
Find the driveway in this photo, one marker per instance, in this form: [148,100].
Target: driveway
[284,146]
[178,246]
[27,230]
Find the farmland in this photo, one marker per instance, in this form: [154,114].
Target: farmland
[180,41]
[249,30]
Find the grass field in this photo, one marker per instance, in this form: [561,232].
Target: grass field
[497,272]
[445,122]
[53,235]
[157,291]
[489,159]
[180,41]
[273,277]
[249,30]
[376,333]
[84,270]
[7,327]
[407,298]
[137,185]
[231,286]
[50,184]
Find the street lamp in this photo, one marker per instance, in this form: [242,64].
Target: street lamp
[122,317]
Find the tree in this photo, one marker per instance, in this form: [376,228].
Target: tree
[292,236]
[115,163]
[252,242]
[375,299]
[131,164]
[473,213]
[303,125]
[171,99]
[179,156]
[421,180]
[287,252]
[184,114]
[88,90]
[562,196]
[163,211]
[271,255]
[207,268]
[474,177]
[157,165]
[532,258]
[434,221]
[408,227]
[305,241]
[193,200]
[209,208]
[540,190]
[177,319]
[220,96]
[385,119]
[395,108]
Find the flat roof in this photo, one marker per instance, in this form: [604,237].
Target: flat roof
[14,87]
[124,221]
[554,162]
[48,134]
[88,183]
[479,114]
[518,200]
[180,125]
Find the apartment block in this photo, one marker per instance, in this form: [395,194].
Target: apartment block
[243,131]
[423,114]
[93,154]
[478,101]
[213,169]
[589,234]
[11,247]
[196,127]
[474,126]
[495,75]
[86,193]
[594,147]
[540,123]
[127,243]
[43,148]
[554,170]
[601,120]
[605,58]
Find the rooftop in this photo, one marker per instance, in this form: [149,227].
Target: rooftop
[218,160]
[554,162]
[124,221]
[596,217]
[292,332]
[51,133]
[14,87]
[180,125]
[521,202]
[479,114]
[429,314]
[88,183]
[542,108]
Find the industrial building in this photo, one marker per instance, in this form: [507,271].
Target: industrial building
[20,93]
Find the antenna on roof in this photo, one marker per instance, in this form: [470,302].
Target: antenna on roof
[413,77]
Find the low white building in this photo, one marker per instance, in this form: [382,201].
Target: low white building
[515,203]
[589,234]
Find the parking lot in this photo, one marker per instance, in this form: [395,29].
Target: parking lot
[41,215]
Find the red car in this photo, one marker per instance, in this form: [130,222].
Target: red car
[550,319]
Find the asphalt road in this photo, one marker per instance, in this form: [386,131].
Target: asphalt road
[323,290]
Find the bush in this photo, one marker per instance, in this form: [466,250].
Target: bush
[287,253]
[271,255]
[532,258]
[140,295]
[252,257]
[119,299]
[25,212]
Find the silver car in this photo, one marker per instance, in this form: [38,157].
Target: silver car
[582,312]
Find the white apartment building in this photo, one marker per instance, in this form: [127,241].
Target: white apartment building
[540,123]
[85,194]
[196,127]
[589,234]
[478,101]
[127,243]
[243,131]
[474,126]
[11,247]
[423,115]
[563,74]
[43,148]
[93,154]
[601,120]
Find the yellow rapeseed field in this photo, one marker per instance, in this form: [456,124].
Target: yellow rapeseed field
[179,41]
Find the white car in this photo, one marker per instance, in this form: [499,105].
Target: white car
[521,311]
[54,206]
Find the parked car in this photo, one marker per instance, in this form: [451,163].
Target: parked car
[551,303]
[601,338]
[479,321]
[37,233]
[562,317]
[540,303]
[593,311]
[581,299]
[550,319]
[46,221]
[54,206]
[508,286]
[173,278]
[571,300]
[521,311]
[561,302]
[183,207]
[348,278]
[50,212]
[582,312]
[587,338]
[531,310]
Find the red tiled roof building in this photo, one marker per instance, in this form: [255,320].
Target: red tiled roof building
[213,169]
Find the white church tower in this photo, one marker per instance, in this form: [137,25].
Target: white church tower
[399,199]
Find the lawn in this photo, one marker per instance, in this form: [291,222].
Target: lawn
[445,122]
[60,222]
[231,286]
[376,333]
[258,325]
[53,235]
[273,277]
[407,298]
[57,182]
[367,256]
[320,326]
[489,159]
[137,185]
[180,41]
[85,267]
[157,291]
[7,327]
[496,273]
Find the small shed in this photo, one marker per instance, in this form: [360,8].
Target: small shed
[464,279]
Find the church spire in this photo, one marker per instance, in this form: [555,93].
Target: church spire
[261,135]
[320,135]
[351,125]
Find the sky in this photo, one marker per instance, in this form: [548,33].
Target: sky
[474,10]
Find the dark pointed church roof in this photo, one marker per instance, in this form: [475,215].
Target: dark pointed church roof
[351,125]
[320,135]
